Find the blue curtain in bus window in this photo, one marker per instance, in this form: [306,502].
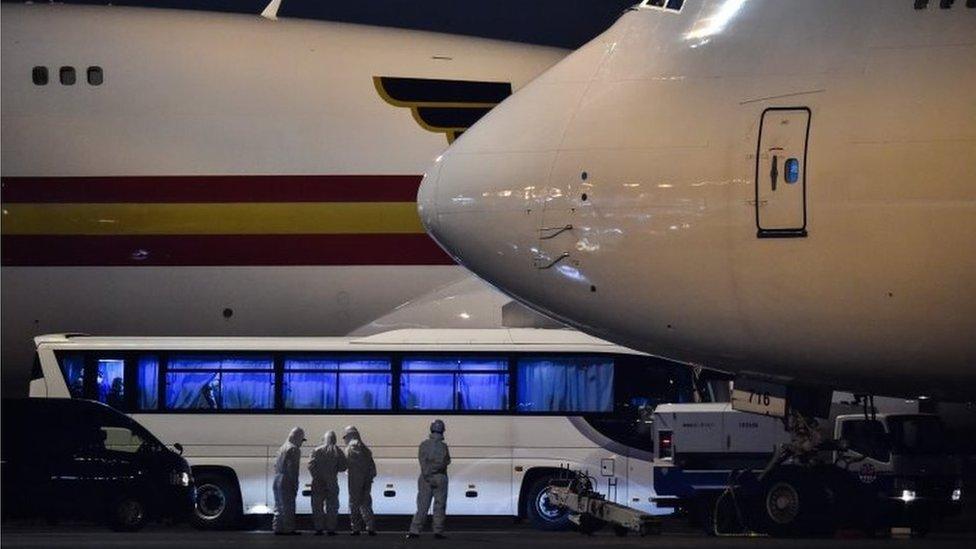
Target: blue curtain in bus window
[423,391]
[310,390]
[482,392]
[192,391]
[73,367]
[565,385]
[147,382]
[111,389]
[364,391]
[220,382]
[247,390]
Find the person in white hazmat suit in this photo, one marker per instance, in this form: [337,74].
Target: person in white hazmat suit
[327,462]
[362,471]
[286,483]
[434,458]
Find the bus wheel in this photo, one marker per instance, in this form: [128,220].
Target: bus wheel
[540,510]
[127,514]
[218,502]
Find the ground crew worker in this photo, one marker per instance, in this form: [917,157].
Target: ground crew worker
[285,485]
[362,471]
[325,465]
[434,458]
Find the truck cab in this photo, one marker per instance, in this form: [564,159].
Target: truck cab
[886,469]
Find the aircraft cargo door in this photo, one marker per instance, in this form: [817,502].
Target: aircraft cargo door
[781,186]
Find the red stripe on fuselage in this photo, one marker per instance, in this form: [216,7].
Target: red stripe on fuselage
[212,188]
[222,250]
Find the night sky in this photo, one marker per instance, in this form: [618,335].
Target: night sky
[564,23]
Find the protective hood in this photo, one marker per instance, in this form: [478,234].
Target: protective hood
[296,436]
[330,438]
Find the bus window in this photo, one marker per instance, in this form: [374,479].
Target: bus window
[454,383]
[111,390]
[220,382]
[365,384]
[147,382]
[565,384]
[73,367]
[311,383]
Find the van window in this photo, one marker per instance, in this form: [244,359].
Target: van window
[571,384]
[121,439]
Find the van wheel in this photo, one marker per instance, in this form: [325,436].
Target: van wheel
[218,502]
[542,513]
[127,514]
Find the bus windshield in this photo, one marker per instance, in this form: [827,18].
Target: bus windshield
[917,435]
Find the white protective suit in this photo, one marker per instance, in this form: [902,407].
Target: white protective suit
[362,471]
[286,482]
[434,458]
[325,465]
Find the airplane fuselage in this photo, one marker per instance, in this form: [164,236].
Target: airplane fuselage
[783,188]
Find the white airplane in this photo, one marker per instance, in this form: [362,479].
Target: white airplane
[785,189]
[172,172]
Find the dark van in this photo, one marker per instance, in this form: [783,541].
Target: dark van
[82,459]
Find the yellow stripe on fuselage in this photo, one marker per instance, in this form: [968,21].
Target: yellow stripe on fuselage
[220,218]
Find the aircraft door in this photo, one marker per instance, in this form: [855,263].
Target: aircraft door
[781,209]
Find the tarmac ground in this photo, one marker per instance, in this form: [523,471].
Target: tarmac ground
[464,532]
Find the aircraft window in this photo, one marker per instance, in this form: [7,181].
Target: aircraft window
[109,374]
[792,168]
[39,75]
[220,382]
[330,382]
[147,382]
[921,4]
[454,383]
[675,4]
[558,384]
[95,77]
[67,75]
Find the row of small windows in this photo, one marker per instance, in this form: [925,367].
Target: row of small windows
[475,383]
[67,76]
[944,4]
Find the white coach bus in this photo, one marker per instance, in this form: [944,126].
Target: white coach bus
[519,405]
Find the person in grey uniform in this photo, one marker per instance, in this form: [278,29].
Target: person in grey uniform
[325,465]
[286,483]
[434,458]
[362,471]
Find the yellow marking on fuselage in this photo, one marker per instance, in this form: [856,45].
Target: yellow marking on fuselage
[212,218]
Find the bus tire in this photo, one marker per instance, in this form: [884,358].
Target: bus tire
[542,514]
[218,501]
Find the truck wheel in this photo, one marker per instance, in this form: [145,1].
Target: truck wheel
[218,502]
[127,514]
[541,512]
[792,505]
